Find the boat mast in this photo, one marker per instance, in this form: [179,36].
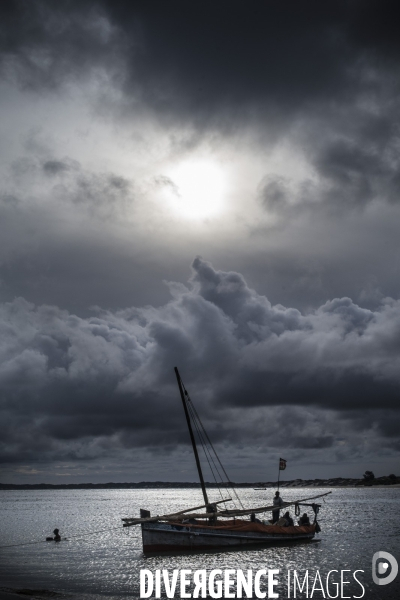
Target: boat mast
[196,455]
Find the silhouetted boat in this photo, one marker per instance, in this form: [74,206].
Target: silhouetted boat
[213,529]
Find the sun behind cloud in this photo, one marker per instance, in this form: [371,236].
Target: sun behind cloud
[196,189]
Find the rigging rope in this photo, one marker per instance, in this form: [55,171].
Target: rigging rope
[201,434]
[217,457]
[206,451]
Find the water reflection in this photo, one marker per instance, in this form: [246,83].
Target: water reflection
[355,523]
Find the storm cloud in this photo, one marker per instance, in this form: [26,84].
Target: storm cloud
[66,379]
[137,136]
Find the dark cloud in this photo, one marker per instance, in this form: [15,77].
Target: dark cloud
[69,384]
[42,45]
[54,167]
[206,60]
[224,64]
[352,173]
[99,98]
[274,194]
[105,194]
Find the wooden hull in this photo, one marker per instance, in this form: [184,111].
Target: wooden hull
[171,537]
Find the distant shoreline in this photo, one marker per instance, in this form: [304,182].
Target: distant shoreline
[333,482]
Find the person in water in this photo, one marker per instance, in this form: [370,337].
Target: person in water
[304,520]
[277,502]
[57,536]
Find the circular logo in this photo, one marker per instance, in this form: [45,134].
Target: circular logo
[382,567]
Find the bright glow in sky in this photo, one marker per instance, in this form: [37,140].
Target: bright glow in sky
[197,189]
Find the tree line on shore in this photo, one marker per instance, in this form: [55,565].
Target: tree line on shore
[368,480]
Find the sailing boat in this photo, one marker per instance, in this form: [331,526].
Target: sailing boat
[187,530]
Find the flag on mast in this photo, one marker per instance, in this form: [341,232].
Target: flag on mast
[282,464]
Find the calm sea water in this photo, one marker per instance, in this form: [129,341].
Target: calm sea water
[355,524]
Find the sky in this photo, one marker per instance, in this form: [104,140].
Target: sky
[208,185]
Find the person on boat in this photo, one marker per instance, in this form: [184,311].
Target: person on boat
[286,520]
[304,520]
[254,519]
[277,502]
[212,509]
[289,519]
[57,536]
